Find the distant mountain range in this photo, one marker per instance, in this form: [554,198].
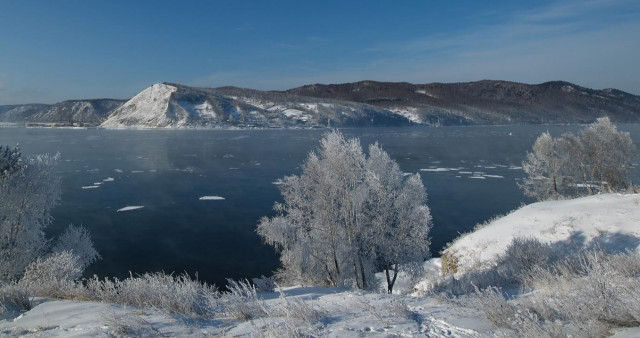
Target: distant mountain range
[365,103]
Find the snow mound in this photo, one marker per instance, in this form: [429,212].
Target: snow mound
[211,198]
[609,220]
[131,207]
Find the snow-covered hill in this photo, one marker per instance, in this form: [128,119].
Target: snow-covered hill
[166,105]
[612,221]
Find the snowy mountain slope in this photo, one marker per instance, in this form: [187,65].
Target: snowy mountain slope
[148,108]
[486,101]
[611,220]
[21,113]
[167,105]
[91,112]
[86,112]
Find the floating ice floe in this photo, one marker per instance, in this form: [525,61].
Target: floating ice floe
[478,177]
[437,169]
[137,171]
[90,186]
[277,182]
[465,172]
[118,170]
[108,179]
[97,183]
[211,198]
[515,168]
[494,176]
[131,207]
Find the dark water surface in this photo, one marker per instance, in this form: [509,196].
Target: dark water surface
[168,171]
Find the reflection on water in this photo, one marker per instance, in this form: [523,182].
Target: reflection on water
[190,200]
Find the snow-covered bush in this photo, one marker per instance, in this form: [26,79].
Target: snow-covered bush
[584,294]
[591,286]
[77,241]
[53,276]
[14,299]
[522,256]
[242,301]
[264,284]
[508,314]
[175,294]
[299,309]
[512,268]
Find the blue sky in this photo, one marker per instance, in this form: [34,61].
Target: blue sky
[56,50]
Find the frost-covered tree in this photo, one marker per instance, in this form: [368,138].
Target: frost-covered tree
[29,189]
[608,154]
[347,215]
[596,159]
[543,165]
[398,221]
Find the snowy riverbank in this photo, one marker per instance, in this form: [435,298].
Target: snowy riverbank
[609,220]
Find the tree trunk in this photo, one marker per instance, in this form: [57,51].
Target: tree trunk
[391,281]
[364,280]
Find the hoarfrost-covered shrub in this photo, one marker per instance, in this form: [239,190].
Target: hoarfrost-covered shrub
[299,309]
[512,268]
[77,240]
[264,284]
[53,276]
[522,256]
[14,300]
[508,314]
[178,294]
[586,294]
[242,301]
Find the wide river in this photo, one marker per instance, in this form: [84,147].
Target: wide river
[470,173]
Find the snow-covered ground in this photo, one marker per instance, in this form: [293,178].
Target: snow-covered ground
[611,220]
[344,313]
